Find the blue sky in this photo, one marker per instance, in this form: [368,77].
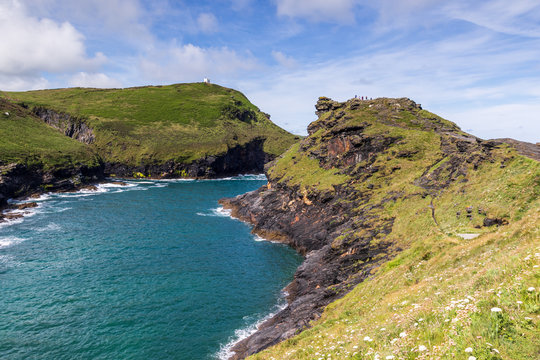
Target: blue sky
[476,63]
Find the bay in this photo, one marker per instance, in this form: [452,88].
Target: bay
[149,270]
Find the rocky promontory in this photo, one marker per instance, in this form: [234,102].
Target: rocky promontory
[332,198]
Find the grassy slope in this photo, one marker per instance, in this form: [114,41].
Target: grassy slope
[26,139]
[438,293]
[179,122]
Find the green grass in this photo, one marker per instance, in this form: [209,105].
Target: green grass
[438,292]
[26,139]
[153,124]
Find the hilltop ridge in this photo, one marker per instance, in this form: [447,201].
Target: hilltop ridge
[64,139]
[377,188]
[163,131]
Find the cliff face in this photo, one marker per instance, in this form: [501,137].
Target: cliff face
[333,198]
[17,180]
[247,158]
[70,126]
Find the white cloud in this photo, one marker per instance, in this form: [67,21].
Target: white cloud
[519,17]
[31,45]
[340,11]
[284,60]
[22,83]
[442,76]
[184,63]
[94,80]
[125,19]
[501,121]
[207,23]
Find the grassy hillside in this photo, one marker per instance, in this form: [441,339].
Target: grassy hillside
[26,139]
[181,122]
[440,296]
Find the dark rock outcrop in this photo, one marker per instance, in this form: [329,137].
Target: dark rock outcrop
[20,180]
[248,158]
[69,125]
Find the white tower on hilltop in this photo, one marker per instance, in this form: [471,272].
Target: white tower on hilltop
[206,80]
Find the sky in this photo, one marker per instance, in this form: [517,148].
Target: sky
[474,62]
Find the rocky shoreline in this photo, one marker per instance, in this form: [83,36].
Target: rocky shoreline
[19,181]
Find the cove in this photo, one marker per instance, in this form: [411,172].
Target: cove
[147,270]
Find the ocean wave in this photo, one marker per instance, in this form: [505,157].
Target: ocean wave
[261,239]
[217,212]
[6,262]
[257,177]
[7,241]
[49,227]
[29,212]
[9,222]
[258,238]
[225,352]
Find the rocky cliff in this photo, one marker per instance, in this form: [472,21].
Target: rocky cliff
[333,198]
[248,158]
[69,125]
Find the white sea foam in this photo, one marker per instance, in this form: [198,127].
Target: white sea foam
[57,209]
[257,177]
[7,241]
[9,222]
[258,238]
[50,227]
[121,185]
[261,239]
[218,212]
[225,352]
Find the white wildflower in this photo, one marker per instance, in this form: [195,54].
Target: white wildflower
[497,351]
[531,289]
[496,310]
[367,338]
[422,348]
[469,350]
[389,357]
[472,358]
[402,334]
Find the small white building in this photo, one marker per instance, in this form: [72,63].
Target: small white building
[206,80]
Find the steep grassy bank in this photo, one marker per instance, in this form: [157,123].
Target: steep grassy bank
[380,197]
[35,157]
[142,129]
[27,140]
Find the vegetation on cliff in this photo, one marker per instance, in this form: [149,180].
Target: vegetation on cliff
[420,238]
[156,124]
[25,139]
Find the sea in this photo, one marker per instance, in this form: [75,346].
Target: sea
[140,270]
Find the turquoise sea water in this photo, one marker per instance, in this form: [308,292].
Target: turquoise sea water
[152,270]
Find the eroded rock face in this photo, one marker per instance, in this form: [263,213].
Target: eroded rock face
[248,158]
[70,126]
[18,180]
